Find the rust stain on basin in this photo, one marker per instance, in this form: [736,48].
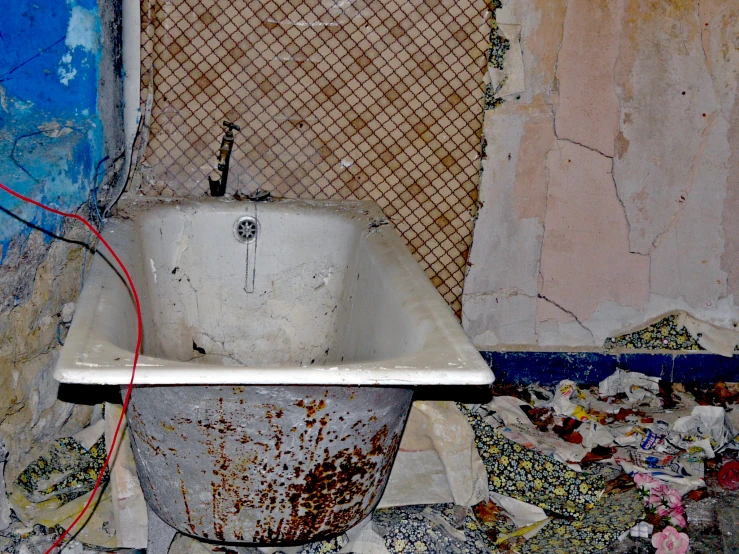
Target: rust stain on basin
[337,481]
[267,465]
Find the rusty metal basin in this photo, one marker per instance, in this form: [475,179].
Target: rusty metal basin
[265,465]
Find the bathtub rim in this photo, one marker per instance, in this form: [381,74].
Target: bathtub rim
[447,356]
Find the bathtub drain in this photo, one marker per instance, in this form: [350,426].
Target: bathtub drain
[246,229]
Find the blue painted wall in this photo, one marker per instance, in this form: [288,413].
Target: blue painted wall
[549,368]
[51,136]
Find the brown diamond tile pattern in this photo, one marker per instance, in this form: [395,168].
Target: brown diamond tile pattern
[354,99]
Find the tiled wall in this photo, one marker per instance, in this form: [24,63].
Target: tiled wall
[379,99]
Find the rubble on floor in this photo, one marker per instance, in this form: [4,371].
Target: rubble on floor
[19,539]
[628,465]
[57,483]
[633,464]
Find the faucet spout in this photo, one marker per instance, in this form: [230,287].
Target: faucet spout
[218,186]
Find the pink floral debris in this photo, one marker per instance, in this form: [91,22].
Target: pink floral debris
[670,541]
[645,481]
[665,501]
[678,520]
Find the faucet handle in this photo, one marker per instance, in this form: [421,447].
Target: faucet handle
[231,126]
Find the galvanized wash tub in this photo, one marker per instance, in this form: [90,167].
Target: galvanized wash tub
[281,340]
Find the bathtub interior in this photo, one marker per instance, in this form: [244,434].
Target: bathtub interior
[307,291]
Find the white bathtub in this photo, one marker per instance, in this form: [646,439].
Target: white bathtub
[335,298]
[275,376]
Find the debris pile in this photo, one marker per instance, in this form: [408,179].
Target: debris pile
[626,464]
[632,464]
[57,482]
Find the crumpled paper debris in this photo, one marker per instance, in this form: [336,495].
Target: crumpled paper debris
[521,513]
[569,400]
[682,475]
[642,530]
[705,422]
[540,397]
[516,426]
[637,386]
[647,436]
[594,434]
[437,461]
[528,476]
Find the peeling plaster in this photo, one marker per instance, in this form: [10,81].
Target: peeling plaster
[660,59]
[66,72]
[83,30]
[556,326]
[585,256]
[52,138]
[634,186]
[587,113]
[45,83]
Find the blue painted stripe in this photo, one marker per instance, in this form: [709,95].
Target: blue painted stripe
[548,368]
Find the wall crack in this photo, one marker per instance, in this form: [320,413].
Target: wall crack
[568,312]
[579,143]
[691,178]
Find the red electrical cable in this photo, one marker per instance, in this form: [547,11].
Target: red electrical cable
[135,355]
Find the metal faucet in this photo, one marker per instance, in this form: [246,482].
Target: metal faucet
[218,186]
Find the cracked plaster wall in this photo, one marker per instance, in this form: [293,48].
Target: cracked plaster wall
[60,114]
[610,190]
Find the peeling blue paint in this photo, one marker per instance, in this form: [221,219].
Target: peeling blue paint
[51,135]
